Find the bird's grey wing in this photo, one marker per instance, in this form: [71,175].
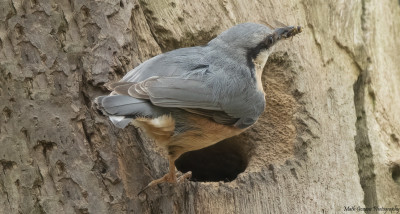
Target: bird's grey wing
[174,63]
[189,93]
[180,93]
[193,95]
[240,108]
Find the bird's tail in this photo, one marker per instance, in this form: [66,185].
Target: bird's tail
[122,109]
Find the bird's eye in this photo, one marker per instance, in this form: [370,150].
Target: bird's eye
[270,40]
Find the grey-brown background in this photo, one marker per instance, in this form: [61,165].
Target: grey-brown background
[329,137]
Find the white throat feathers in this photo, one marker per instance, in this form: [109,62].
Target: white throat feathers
[259,64]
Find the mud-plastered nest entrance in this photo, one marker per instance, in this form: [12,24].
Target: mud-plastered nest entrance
[273,136]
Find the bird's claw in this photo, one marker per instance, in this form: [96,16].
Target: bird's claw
[166,178]
[185,176]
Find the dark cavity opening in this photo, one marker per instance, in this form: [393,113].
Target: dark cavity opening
[396,174]
[220,162]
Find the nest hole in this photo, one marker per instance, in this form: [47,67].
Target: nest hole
[223,161]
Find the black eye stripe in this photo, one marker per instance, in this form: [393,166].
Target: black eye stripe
[253,52]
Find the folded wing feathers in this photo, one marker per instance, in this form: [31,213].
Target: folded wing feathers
[123,89]
[138,91]
[124,105]
[165,92]
[180,93]
[111,86]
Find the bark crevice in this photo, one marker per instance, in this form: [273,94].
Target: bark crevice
[366,164]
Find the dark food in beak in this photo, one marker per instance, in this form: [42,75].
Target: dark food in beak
[287,32]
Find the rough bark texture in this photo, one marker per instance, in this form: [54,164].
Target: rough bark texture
[329,137]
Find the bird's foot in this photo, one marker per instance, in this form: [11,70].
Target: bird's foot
[185,176]
[167,178]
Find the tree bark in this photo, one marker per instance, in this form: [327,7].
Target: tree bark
[328,139]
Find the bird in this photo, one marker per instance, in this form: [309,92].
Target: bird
[191,98]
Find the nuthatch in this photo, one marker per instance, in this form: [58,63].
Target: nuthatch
[191,98]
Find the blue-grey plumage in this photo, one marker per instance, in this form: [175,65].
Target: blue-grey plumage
[203,94]
[220,76]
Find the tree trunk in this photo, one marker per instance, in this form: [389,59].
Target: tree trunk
[328,139]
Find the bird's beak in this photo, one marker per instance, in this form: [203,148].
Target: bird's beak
[287,32]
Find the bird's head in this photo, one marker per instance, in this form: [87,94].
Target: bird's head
[252,39]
